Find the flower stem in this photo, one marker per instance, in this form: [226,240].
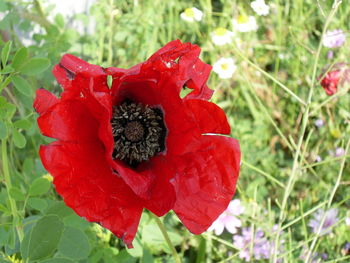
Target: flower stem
[8,184]
[167,239]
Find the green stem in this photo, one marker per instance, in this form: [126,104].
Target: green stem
[167,239]
[8,184]
[298,154]
[330,200]
[111,33]
[263,72]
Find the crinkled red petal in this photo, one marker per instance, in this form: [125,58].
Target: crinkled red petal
[198,82]
[75,75]
[206,181]
[87,184]
[161,192]
[176,62]
[44,100]
[209,117]
[68,120]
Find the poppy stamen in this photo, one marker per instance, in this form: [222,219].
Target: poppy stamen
[138,131]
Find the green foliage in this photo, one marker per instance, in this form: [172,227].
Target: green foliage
[34,66]
[43,239]
[74,244]
[39,186]
[22,85]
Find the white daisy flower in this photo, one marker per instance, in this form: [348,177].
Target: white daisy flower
[224,67]
[260,7]
[222,36]
[245,23]
[192,14]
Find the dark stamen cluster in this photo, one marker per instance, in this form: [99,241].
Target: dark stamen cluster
[139,132]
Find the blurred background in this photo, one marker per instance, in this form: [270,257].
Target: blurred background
[280,72]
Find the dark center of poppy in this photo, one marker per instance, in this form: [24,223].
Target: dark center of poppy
[138,131]
[134,131]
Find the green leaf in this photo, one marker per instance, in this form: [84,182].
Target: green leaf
[59,20]
[124,257]
[23,124]
[3,130]
[17,194]
[6,52]
[22,85]
[18,139]
[60,209]
[7,110]
[6,70]
[43,238]
[39,186]
[37,203]
[152,236]
[5,83]
[58,260]
[4,209]
[147,256]
[74,244]
[20,58]
[3,236]
[137,251]
[35,66]
[3,6]
[76,221]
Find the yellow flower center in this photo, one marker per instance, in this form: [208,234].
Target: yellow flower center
[189,12]
[242,19]
[224,66]
[220,31]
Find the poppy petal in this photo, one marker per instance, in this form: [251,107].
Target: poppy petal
[177,64]
[84,179]
[69,120]
[44,100]
[197,82]
[209,117]
[74,75]
[206,181]
[161,192]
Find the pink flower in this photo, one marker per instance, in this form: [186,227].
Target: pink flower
[228,218]
[333,39]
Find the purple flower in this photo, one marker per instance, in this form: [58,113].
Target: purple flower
[319,123]
[330,54]
[315,257]
[330,219]
[318,159]
[333,39]
[339,152]
[228,218]
[262,248]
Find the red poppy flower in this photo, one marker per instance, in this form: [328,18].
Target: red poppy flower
[335,77]
[330,82]
[139,144]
